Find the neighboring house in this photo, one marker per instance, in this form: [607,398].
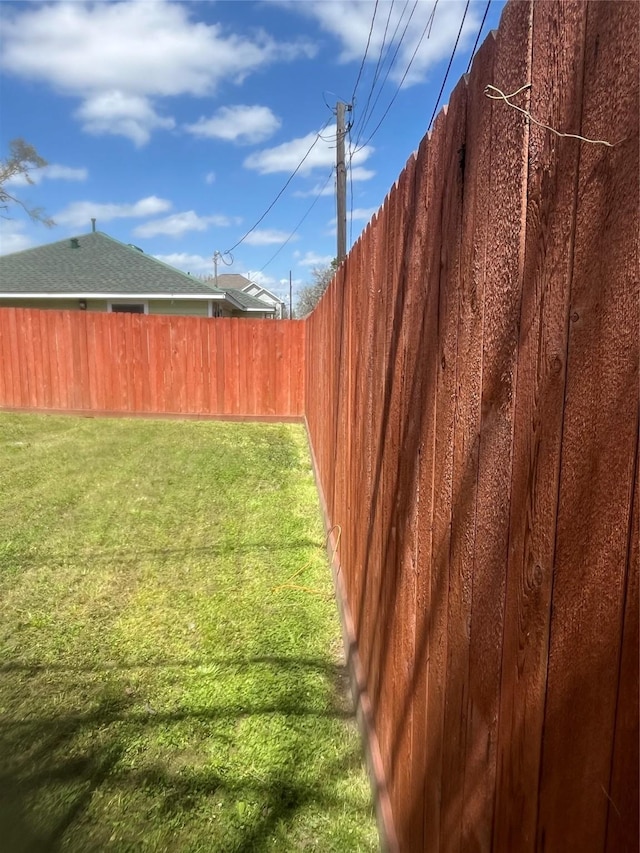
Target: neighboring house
[233,281]
[94,272]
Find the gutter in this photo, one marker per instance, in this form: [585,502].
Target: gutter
[219,297]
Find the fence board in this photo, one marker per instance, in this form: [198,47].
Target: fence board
[444,331]
[622,822]
[448,515]
[420,438]
[475,165]
[17,365]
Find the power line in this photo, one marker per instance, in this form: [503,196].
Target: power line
[309,209]
[366,51]
[408,68]
[380,65]
[473,52]
[364,121]
[453,53]
[376,72]
[327,104]
[289,179]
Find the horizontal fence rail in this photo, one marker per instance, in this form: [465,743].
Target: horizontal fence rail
[137,364]
[472,403]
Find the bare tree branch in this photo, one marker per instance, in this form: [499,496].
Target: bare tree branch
[23,158]
[309,296]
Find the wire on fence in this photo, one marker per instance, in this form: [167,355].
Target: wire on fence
[500,96]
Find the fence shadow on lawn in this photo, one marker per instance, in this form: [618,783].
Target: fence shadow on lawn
[41,749]
[128,555]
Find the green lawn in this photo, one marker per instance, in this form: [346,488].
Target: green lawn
[158,690]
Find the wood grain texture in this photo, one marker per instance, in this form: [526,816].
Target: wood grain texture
[476,790]
[622,821]
[448,498]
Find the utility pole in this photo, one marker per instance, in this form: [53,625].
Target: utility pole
[341,181]
[216,258]
[290,297]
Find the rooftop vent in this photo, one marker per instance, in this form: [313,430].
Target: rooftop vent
[75,243]
[136,247]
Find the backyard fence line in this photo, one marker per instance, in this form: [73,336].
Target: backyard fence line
[472,404]
[90,362]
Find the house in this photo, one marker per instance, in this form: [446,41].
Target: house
[95,272]
[233,281]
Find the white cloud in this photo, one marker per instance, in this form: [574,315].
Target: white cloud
[364,213]
[56,172]
[80,213]
[210,177]
[121,114]
[359,173]
[242,124]
[358,213]
[312,259]
[188,263]
[117,57]
[267,237]
[178,224]
[287,156]
[349,21]
[52,172]
[12,237]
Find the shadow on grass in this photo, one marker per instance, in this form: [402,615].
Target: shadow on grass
[128,555]
[336,672]
[50,776]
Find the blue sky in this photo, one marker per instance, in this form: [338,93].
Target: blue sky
[177,124]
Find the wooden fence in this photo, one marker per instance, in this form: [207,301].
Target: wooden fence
[472,403]
[135,364]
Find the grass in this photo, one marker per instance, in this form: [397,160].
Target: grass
[158,692]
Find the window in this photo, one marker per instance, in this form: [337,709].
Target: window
[128,307]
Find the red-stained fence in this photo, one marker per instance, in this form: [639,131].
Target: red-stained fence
[135,364]
[472,403]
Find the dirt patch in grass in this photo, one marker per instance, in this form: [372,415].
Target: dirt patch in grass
[159,689]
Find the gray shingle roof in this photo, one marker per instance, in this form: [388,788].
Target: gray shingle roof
[248,301]
[98,265]
[232,281]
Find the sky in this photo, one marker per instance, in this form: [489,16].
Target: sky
[178,124]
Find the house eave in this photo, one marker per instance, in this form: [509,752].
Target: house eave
[202,297]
